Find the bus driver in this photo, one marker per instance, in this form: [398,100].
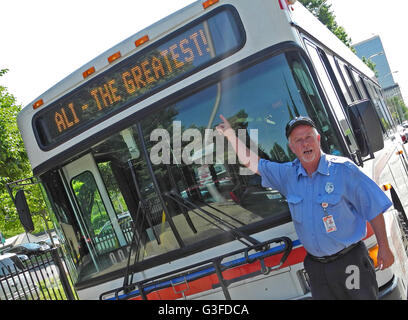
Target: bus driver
[330,200]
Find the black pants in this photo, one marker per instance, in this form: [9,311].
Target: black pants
[351,276]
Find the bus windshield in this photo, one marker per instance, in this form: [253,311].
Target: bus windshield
[167,206]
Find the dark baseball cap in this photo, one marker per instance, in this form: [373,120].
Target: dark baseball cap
[292,124]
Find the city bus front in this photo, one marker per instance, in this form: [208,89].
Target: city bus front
[147,173]
[141,185]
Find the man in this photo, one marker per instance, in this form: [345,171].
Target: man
[330,200]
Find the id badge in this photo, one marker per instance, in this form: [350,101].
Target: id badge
[329,223]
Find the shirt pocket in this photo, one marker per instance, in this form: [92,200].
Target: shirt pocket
[295,205]
[333,200]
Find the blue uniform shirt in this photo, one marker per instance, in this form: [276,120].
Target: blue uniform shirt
[351,196]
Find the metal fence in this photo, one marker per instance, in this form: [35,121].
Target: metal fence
[41,277]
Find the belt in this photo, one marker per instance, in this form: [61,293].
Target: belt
[327,259]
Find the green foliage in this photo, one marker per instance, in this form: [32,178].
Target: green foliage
[399,110]
[13,158]
[14,166]
[50,289]
[370,64]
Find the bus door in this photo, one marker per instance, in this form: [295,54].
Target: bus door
[95,213]
[129,188]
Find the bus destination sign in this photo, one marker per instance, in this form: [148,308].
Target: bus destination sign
[138,76]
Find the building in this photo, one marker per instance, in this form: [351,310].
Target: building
[373,49]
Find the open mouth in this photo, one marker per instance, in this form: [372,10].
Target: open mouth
[307,152]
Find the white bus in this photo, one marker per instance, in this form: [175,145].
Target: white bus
[133,226]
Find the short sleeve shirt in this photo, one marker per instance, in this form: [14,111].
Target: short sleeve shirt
[352,199]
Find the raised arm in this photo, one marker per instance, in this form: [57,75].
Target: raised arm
[245,155]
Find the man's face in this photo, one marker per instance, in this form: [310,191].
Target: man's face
[304,142]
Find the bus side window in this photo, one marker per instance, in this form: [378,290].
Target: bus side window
[359,85]
[350,89]
[353,85]
[340,81]
[383,114]
[322,69]
[365,87]
[380,97]
[371,92]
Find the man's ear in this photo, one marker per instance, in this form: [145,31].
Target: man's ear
[290,146]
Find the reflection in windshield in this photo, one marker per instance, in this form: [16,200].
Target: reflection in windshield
[260,99]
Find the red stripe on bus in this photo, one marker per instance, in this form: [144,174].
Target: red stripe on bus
[207,283]
[296,256]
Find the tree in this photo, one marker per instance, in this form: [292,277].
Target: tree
[322,10]
[399,110]
[14,165]
[370,64]
[13,159]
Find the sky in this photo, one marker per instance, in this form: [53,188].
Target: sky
[44,41]
[363,19]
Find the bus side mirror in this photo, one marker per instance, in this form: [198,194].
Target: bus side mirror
[367,128]
[24,211]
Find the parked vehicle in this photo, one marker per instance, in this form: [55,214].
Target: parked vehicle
[23,257]
[14,283]
[49,242]
[403,131]
[44,245]
[30,248]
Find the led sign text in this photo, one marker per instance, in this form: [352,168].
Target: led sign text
[136,76]
[148,72]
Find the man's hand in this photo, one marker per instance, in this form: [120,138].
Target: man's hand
[224,126]
[385,258]
[245,155]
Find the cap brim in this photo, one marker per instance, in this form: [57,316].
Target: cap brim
[298,123]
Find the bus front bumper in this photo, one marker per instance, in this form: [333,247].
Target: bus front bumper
[392,290]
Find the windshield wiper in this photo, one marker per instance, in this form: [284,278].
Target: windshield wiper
[142,202]
[238,235]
